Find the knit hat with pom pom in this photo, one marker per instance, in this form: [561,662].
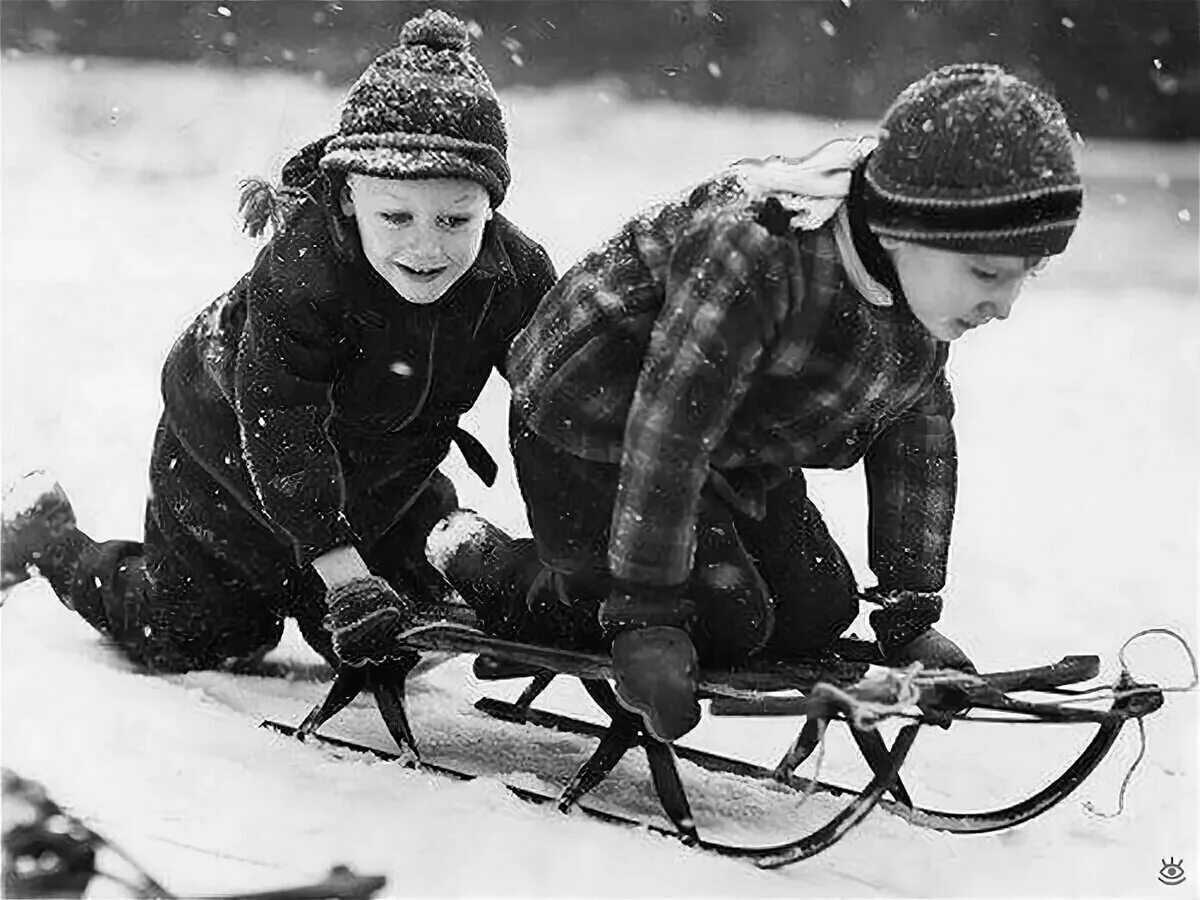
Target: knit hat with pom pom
[972,158]
[424,109]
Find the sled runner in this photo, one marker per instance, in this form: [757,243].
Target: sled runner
[844,685]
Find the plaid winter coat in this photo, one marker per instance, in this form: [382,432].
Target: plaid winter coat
[319,399]
[696,346]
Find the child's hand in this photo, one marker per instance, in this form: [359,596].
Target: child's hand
[366,618]
[933,650]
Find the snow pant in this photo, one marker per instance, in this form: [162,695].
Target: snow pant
[210,583]
[788,556]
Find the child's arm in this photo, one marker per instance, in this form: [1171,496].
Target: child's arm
[727,277]
[912,482]
[282,389]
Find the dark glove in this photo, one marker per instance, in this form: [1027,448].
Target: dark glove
[933,650]
[366,618]
[904,629]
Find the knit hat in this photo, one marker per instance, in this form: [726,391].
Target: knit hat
[973,159]
[424,109]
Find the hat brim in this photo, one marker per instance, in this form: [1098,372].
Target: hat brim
[1047,239]
[412,163]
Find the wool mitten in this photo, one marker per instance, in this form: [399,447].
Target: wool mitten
[904,629]
[366,618]
[902,616]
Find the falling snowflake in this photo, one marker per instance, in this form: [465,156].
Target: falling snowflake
[828,28]
[1185,215]
[714,69]
[224,11]
[1068,23]
[514,48]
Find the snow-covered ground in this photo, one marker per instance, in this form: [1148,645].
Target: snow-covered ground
[1078,430]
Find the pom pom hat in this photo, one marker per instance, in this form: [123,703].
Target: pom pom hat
[424,109]
[973,159]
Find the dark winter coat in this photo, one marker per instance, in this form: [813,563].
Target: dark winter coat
[322,401]
[696,346]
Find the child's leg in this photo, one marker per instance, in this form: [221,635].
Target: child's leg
[735,610]
[172,605]
[569,502]
[816,597]
[399,555]
[205,586]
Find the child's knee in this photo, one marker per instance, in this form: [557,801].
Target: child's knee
[735,613]
[809,620]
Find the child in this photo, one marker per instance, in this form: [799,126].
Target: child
[787,314]
[294,470]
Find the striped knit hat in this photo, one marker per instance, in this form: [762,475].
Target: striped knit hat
[424,109]
[973,159]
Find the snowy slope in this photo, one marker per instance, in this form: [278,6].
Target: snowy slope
[1077,525]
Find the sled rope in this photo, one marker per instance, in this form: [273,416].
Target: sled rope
[811,787]
[1169,632]
[1102,692]
[1128,692]
[1091,808]
[890,695]
[1120,693]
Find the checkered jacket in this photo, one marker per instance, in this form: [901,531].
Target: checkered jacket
[697,346]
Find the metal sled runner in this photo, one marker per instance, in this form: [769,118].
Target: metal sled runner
[841,686]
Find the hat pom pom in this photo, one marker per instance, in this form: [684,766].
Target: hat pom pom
[437,30]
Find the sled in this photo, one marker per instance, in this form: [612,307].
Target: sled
[844,685]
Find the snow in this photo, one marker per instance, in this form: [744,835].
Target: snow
[1077,524]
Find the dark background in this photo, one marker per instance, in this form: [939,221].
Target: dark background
[1122,68]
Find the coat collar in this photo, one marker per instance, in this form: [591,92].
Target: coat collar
[493,260]
[493,265]
[814,189]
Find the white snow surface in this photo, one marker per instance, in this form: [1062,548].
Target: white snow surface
[1077,525]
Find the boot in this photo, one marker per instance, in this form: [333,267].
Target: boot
[514,595]
[477,559]
[656,674]
[37,528]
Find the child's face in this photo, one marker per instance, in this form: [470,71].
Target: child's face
[950,293]
[421,235]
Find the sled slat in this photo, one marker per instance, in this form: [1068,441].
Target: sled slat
[1068,670]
